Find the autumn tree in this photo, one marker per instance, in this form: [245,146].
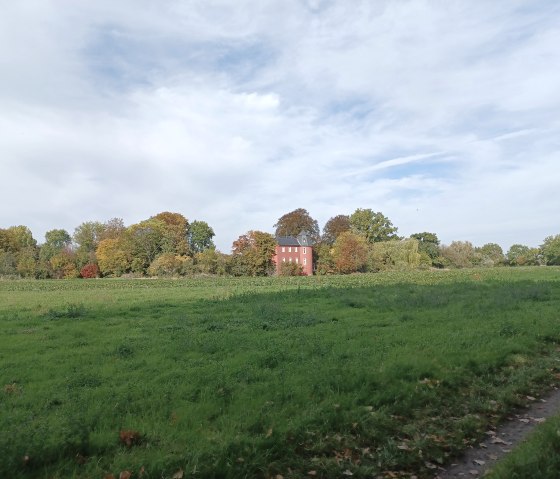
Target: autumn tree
[372,226]
[113,229]
[55,241]
[175,232]
[252,254]
[16,238]
[112,258]
[551,250]
[521,255]
[296,222]
[210,261]
[334,228]
[349,253]
[200,236]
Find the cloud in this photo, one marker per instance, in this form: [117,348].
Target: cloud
[442,117]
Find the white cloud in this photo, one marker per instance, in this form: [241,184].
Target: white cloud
[442,116]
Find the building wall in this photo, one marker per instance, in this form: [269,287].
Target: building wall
[302,255]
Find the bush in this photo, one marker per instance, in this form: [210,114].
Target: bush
[90,270]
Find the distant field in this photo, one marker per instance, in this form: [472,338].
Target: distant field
[380,375]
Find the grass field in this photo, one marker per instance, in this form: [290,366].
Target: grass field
[382,375]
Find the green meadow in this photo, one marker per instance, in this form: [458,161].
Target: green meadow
[374,375]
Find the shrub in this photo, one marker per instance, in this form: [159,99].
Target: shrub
[90,270]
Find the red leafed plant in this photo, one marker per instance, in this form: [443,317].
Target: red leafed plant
[90,270]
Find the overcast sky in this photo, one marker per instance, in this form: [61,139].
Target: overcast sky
[443,115]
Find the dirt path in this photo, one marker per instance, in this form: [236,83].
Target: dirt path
[477,461]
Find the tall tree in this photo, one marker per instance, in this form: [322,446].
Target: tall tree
[175,232]
[350,253]
[56,241]
[521,255]
[16,238]
[491,254]
[460,254]
[112,258]
[252,254]
[372,226]
[200,236]
[427,243]
[335,227]
[551,250]
[296,222]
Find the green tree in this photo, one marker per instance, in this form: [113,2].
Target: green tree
[252,254]
[86,237]
[521,255]
[460,254]
[427,243]
[55,241]
[349,253]
[335,227]
[395,254]
[210,261]
[491,254]
[372,226]
[323,259]
[200,236]
[296,222]
[551,250]
[175,232]
[144,241]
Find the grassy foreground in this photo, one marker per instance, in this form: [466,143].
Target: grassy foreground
[382,375]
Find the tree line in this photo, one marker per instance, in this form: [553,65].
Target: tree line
[167,244]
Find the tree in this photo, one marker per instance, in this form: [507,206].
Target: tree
[427,243]
[88,235]
[551,250]
[296,222]
[252,254]
[175,232]
[460,254]
[491,254]
[112,258]
[200,236]
[521,255]
[324,262]
[56,241]
[210,261]
[144,241]
[113,229]
[372,226]
[350,253]
[16,238]
[394,254]
[63,264]
[335,227]
[168,264]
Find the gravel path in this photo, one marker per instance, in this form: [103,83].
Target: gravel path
[499,442]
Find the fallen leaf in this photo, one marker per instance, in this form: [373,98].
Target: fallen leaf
[141,471]
[493,456]
[474,472]
[178,474]
[279,476]
[125,475]
[499,440]
[479,462]
[312,473]
[269,433]
[539,420]
[403,447]
[347,472]
[524,419]
[129,437]
[530,398]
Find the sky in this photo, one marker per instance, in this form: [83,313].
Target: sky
[442,115]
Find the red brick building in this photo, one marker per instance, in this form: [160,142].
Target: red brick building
[294,249]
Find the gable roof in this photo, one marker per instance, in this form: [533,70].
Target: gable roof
[300,240]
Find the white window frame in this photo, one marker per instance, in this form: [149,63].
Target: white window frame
[283,249]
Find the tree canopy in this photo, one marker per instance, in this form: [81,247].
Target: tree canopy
[296,222]
[373,226]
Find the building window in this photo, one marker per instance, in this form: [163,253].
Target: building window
[304,261]
[290,260]
[283,249]
[295,249]
[283,260]
[289,249]
[297,260]
[304,250]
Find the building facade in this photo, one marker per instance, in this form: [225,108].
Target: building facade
[294,249]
